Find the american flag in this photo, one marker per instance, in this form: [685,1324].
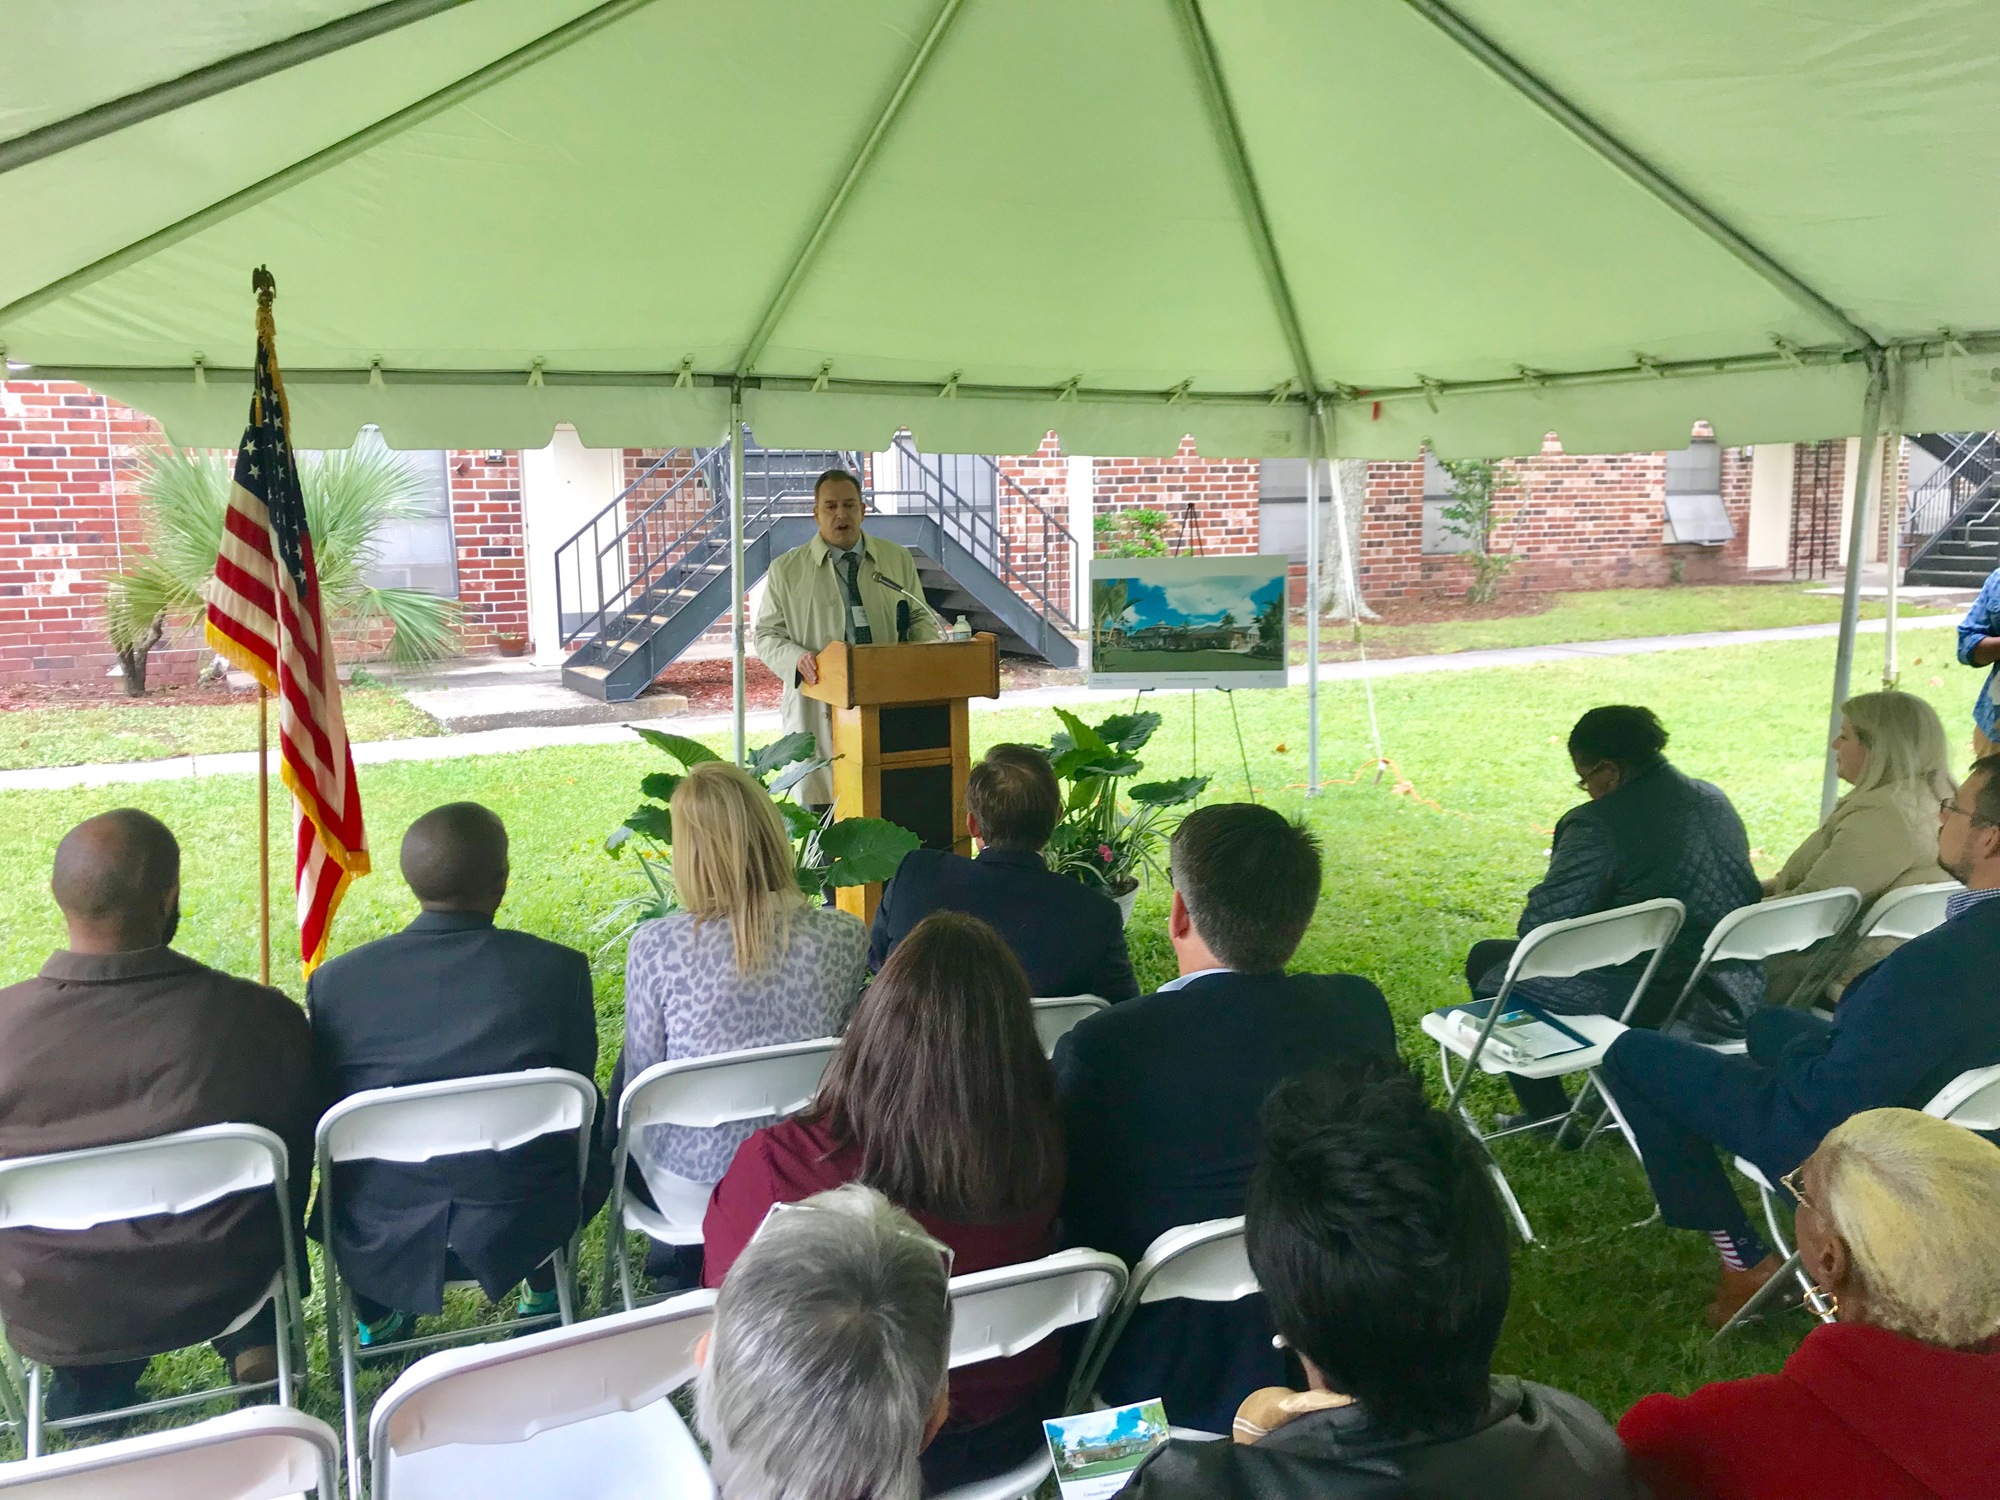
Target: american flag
[264,615]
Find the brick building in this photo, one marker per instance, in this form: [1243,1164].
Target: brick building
[69,510]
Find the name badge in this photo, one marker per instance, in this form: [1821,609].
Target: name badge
[860,616]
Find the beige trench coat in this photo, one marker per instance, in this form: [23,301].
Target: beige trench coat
[804,611]
[1874,841]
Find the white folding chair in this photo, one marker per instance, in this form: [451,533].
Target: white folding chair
[1056,1015]
[1972,1099]
[261,1453]
[699,1093]
[1903,913]
[169,1174]
[1557,950]
[577,1413]
[1205,1262]
[1007,1311]
[420,1122]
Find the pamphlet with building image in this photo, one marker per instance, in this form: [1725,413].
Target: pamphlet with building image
[1096,1451]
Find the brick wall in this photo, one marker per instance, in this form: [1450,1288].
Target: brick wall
[492,546]
[1223,490]
[1034,519]
[68,516]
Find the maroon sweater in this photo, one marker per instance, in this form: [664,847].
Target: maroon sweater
[789,1161]
[1858,1413]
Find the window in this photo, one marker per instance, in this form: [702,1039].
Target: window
[1695,512]
[1440,534]
[418,553]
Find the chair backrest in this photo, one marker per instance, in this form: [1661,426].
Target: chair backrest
[168,1174]
[1206,1262]
[1057,1014]
[1602,940]
[489,1112]
[1010,1309]
[509,1392]
[704,1092]
[1972,1099]
[1909,911]
[259,1453]
[1783,926]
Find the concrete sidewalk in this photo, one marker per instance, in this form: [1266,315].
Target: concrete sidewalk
[536,737]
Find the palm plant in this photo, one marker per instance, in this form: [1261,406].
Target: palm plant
[350,497]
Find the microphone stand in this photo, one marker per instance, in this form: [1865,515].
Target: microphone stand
[937,620]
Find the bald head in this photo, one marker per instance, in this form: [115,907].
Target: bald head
[117,878]
[455,858]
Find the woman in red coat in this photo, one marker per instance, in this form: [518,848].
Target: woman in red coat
[941,1099]
[1899,1224]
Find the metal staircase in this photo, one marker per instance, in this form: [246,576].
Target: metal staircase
[1953,521]
[644,578]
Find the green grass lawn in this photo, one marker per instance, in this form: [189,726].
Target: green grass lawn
[156,731]
[1418,866]
[1605,615]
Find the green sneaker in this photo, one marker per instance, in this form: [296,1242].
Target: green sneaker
[538,1304]
[391,1328]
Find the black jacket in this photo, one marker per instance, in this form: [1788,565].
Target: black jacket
[1070,938]
[1160,1102]
[1534,1444]
[451,996]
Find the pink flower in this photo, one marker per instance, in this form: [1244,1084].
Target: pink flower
[1104,853]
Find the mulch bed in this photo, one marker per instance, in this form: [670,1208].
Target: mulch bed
[110,693]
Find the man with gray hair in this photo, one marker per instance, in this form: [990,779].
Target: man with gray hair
[825,1375]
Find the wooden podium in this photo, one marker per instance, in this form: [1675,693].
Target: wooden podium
[900,746]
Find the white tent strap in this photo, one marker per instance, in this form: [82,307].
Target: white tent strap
[1353,585]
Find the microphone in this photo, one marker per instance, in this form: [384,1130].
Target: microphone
[902,619]
[937,621]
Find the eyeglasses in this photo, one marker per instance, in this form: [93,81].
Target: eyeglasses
[946,1256]
[1950,805]
[1583,781]
[1790,1182]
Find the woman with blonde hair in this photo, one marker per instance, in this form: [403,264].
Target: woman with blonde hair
[746,962]
[1882,834]
[1899,1399]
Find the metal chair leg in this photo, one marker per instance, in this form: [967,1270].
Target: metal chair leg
[1507,1196]
[32,1442]
[565,1289]
[1754,1307]
[341,1313]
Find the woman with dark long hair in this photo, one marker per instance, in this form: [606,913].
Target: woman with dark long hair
[940,1098]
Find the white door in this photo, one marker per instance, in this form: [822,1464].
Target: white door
[562,487]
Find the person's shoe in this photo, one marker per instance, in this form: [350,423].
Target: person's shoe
[385,1331]
[255,1366]
[1735,1288]
[538,1304]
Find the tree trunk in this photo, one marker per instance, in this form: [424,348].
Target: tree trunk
[1351,474]
[132,657]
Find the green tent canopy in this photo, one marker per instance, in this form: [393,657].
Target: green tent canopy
[1126,220]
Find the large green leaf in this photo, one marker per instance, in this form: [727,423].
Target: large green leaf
[1114,765]
[659,785]
[796,772]
[861,850]
[1168,793]
[690,753]
[654,822]
[1128,732]
[1081,735]
[782,752]
[800,822]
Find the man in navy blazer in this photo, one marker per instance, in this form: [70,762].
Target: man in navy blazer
[1903,1030]
[1069,937]
[1162,1097]
[453,996]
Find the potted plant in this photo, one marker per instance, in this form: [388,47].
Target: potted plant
[826,851]
[1097,842]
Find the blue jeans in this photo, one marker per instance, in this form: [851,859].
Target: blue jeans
[1684,1102]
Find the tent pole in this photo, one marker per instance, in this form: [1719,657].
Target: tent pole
[736,620]
[1313,453]
[1850,593]
[1893,494]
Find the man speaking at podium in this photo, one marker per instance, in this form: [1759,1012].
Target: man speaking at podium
[840,586]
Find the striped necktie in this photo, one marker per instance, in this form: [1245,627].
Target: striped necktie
[851,564]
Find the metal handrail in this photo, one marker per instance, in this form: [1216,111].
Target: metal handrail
[1968,475]
[705,466]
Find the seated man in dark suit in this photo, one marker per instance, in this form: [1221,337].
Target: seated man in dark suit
[1069,937]
[1904,1029]
[1161,1096]
[119,1039]
[453,996]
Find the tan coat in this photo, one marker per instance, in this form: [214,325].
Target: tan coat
[1874,841]
[804,611]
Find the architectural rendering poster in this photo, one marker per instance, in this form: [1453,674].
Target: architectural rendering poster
[1175,622]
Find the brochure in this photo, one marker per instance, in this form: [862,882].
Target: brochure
[1524,1033]
[1096,1451]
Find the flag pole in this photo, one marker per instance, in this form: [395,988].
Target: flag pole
[263,834]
